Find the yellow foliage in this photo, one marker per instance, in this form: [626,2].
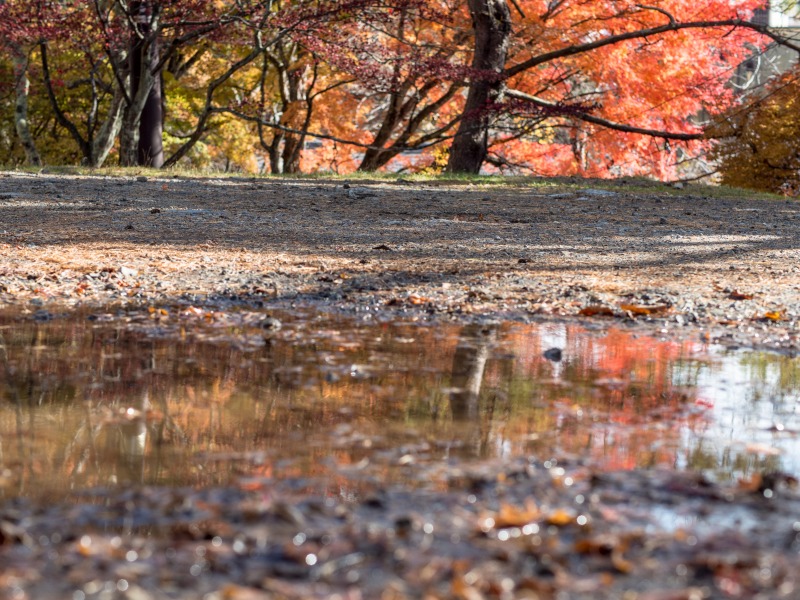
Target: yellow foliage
[759,146]
[440,157]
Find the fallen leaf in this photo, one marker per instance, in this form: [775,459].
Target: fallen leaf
[414,299]
[751,484]
[734,295]
[510,515]
[595,310]
[638,310]
[515,516]
[620,563]
[560,518]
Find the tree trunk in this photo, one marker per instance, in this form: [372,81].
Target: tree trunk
[291,154]
[141,137]
[103,142]
[22,86]
[375,158]
[492,23]
[469,363]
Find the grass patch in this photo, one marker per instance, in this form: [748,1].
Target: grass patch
[630,185]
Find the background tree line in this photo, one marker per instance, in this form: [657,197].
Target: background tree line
[558,87]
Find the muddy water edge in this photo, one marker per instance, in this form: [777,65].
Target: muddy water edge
[185,452]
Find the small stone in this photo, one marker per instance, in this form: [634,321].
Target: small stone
[360,192]
[129,226]
[155,211]
[596,192]
[553,354]
[141,178]
[270,324]
[42,315]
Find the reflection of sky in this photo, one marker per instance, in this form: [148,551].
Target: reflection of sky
[746,408]
[554,336]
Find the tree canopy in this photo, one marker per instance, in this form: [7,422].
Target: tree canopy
[606,88]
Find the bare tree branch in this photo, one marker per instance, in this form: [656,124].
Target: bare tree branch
[584,116]
[645,33]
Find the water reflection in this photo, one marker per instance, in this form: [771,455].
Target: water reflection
[202,399]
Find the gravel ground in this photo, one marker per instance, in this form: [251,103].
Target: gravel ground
[695,261]
[688,262]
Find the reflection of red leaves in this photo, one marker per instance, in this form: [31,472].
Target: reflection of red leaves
[596,310]
[704,403]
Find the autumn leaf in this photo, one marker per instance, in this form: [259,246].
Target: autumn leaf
[510,515]
[735,295]
[560,518]
[596,310]
[638,310]
[752,483]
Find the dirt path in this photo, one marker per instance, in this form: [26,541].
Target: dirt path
[691,261]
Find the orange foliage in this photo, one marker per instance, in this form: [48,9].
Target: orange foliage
[660,82]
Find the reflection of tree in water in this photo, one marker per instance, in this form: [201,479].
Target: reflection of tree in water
[469,366]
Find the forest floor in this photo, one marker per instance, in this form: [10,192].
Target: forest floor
[697,262]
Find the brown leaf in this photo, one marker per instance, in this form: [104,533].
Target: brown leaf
[560,518]
[751,484]
[515,516]
[639,310]
[595,310]
[735,295]
[620,563]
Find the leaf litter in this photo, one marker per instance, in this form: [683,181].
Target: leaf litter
[559,528]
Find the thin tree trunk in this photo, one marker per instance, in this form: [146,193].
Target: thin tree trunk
[103,142]
[20,63]
[492,23]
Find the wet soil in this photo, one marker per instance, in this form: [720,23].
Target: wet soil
[164,257]
[695,261]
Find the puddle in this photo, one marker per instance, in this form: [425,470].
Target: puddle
[190,398]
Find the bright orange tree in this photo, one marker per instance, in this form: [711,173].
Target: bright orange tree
[619,106]
[592,88]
